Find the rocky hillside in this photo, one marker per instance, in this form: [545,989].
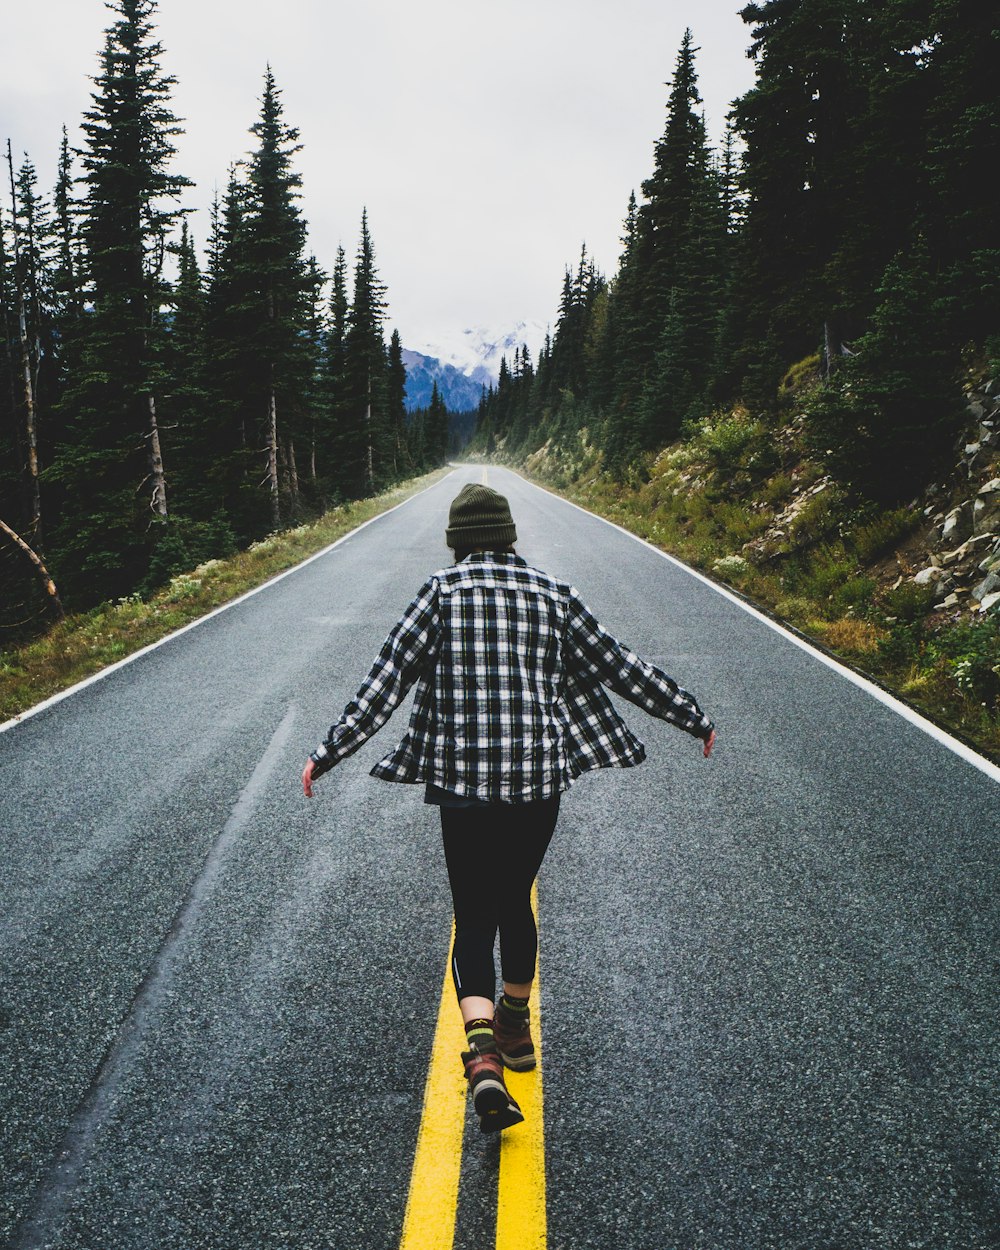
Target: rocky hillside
[963,547]
[954,548]
[909,595]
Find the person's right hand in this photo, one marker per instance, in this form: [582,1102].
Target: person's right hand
[307,778]
[709,743]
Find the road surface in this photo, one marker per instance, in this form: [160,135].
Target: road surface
[768,980]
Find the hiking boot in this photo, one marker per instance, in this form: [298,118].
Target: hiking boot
[494,1106]
[512,1030]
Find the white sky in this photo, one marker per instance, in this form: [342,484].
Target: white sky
[488,141]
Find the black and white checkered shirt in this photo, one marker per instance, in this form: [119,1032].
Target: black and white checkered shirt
[508,665]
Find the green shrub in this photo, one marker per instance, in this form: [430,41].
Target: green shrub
[884,532]
[825,572]
[909,602]
[904,644]
[182,543]
[818,518]
[855,592]
[728,441]
[802,373]
[973,655]
[778,490]
[795,609]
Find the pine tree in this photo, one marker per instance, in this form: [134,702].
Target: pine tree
[363,441]
[396,403]
[681,160]
[232,314]
[31,235]
[958,56]
[110,460]
[679,379]
[317,423]
[67,274]
[186,408]
[812,221]
[275,243]
[436,430]
[626,313]
[888,417]
[331,399]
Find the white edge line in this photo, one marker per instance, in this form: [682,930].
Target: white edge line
[902,709]
[224,607]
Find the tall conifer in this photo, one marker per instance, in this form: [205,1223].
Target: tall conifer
[363,440]
[110,463]
[275,243]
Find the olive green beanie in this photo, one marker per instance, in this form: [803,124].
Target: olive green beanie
[479,517]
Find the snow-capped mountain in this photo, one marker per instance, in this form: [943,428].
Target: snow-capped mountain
[460,392]
[476,352]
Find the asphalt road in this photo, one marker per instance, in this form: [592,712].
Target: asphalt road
[769,979]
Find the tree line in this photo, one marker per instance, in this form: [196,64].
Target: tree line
[844,216]
[157,410]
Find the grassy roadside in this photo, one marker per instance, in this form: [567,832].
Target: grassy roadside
[836,575]
[89,641]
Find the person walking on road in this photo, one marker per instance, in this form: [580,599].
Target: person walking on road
[509,710]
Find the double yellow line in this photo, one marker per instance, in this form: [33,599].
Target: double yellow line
[432,1206]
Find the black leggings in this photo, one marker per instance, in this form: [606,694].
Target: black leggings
[493,856]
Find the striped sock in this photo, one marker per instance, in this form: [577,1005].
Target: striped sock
[480,1036]
[520,1005]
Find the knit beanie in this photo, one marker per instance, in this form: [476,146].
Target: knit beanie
[479,517]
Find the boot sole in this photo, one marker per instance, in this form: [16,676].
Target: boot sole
[495,1107]
[519,1063]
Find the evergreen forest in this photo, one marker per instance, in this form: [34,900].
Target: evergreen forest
[842,227]
[156,409]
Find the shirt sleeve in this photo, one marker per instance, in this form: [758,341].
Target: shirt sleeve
[410,648]
[592,651]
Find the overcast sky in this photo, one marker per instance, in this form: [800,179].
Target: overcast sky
[488,141]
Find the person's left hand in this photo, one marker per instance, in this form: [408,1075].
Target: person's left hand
[307,778]
[709,743]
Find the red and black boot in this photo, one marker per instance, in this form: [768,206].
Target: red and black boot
[512,1031]
[484,1072]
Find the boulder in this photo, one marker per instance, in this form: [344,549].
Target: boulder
[991,487]
[957,524]
[985,513]
[987,586]
[991,561]
[990,601]
[928,575]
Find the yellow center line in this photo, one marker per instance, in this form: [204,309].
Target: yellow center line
[429,1223]
[521,1223]
[432,1205]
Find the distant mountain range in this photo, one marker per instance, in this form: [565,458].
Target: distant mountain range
[464,362]
[460,393]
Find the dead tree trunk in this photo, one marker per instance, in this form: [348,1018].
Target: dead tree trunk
[30,414]
[158,503]
[293,474]
[40,569]
[370,467]
[8,337]
[272,453]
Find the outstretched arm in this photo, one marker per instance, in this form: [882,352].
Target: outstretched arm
[594,651]
[411,645]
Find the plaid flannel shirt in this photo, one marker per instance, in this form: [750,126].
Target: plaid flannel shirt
[508,665]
